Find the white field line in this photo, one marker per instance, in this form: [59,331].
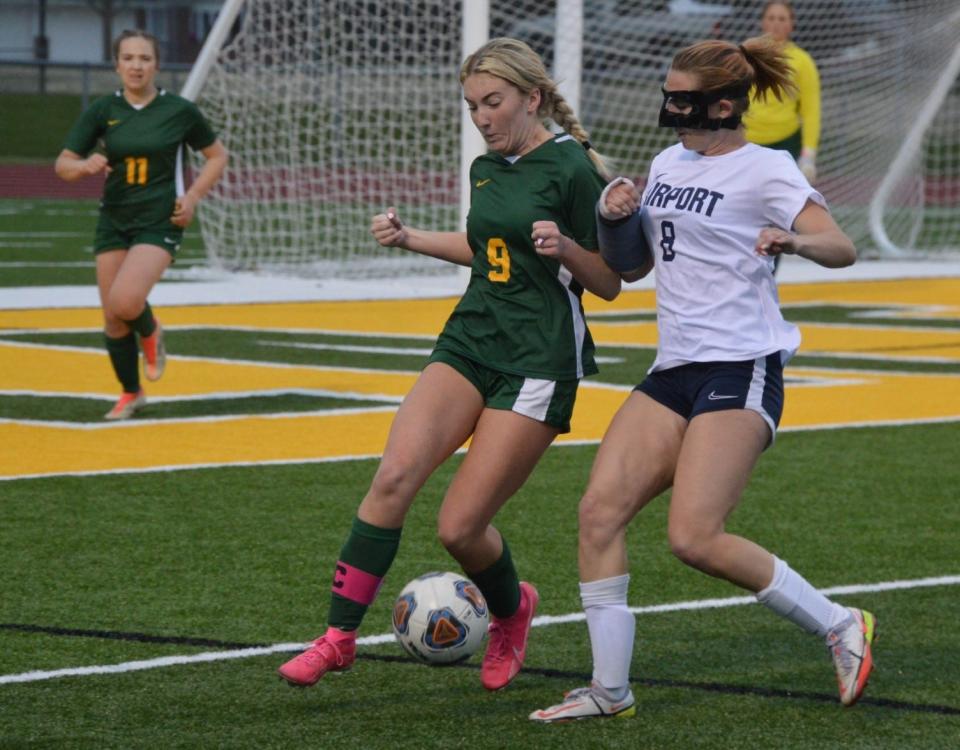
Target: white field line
[906,358]
[885,309]
[265,416]
[385,349]
[347,348]
[207,465]
[54,264]
[32,235]
[215,396]
[229,327]
[218,360]
[373,640]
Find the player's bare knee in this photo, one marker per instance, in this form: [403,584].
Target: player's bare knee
[390,495]
[690,547]
[600,518]
[125,306]
[458,536]
[394,478]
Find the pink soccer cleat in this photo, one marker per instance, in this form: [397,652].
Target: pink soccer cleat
[335,651]
[508,642]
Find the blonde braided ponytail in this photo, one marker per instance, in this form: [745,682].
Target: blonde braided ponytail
[557,108]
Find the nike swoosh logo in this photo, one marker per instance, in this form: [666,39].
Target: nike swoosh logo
[111,123]
[714,396]
[562,708]
[481,183]
[169,241]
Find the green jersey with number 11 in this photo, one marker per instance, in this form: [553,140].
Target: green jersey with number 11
[521,312]
[143,147]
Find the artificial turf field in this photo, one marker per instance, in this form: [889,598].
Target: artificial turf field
[157,572]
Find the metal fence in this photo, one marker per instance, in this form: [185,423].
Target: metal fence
[87,79]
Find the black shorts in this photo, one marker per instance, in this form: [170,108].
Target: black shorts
[701,387]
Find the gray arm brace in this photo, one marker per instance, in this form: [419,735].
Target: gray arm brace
[622,243]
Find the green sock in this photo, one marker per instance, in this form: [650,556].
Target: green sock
[123,356]
[499,585]
[144,324]
[365,558]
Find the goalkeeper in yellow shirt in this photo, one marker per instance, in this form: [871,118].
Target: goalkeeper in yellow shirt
[792,124]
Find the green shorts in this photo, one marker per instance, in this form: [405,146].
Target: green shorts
[792,144]
[112,235]
[547,401]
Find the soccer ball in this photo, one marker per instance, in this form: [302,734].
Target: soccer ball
[440,618]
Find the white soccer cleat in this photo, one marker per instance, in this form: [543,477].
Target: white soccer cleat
[852,656]
[586,703]
[154,354]
[128,405]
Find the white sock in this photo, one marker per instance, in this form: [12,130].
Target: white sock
[790,595]
[611,627]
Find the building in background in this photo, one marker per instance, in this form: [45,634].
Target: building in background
[80,31]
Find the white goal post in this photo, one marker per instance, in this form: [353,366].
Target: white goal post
[334,109]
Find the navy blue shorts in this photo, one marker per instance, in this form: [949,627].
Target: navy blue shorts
[700,387]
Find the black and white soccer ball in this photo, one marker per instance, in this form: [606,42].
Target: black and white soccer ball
[440,618]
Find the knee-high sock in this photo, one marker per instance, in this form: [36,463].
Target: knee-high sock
[790,595]
[365,558]
[144,324]
[123,356]
[499,585]
[612,628]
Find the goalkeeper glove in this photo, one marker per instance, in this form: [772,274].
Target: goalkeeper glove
[808,164]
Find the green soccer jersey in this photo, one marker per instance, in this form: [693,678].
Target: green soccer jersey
[521,312]
[143,146]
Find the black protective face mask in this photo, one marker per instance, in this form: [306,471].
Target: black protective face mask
[697,102]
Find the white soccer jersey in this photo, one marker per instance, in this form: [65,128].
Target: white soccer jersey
[716,297]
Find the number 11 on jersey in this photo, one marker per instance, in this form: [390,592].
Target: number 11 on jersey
[136,170]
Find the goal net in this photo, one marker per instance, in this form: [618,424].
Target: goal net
[334,109]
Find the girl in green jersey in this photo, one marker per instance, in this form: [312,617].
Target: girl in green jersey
[505,370]
[144,209]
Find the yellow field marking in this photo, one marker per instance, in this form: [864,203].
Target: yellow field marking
[426,317]
[55,449]
[49,370]
[410,317]
[873,398]
[940,292]
[894,342]
[836,340]
[852,398]
[847,397]
[641,333]
[943,293]
[628,301]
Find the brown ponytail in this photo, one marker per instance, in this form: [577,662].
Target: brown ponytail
[717,65]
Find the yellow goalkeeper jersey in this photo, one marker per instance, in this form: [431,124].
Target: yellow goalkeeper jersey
[773,120]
